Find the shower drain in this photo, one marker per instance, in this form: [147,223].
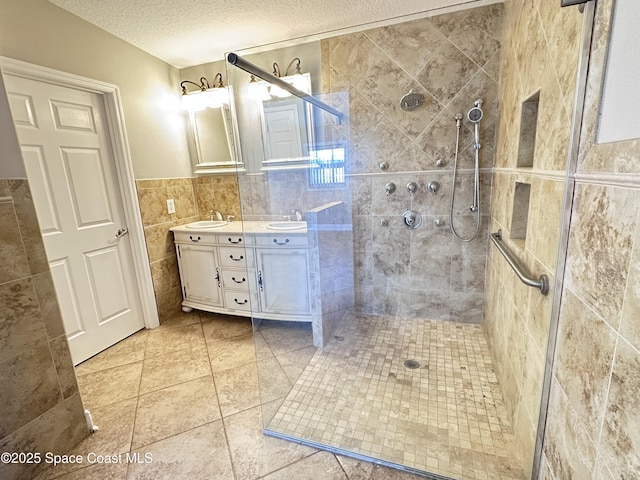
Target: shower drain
[412,364]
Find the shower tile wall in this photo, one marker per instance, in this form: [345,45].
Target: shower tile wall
[41,406]
[594,428]
[452,59]
[540,53]
[191,196]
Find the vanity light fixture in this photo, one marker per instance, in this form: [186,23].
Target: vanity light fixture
[206,96]
[296,79]
[258,90]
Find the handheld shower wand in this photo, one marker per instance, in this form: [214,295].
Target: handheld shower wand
[474,116]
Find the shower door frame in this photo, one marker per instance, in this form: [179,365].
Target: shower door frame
[563,242]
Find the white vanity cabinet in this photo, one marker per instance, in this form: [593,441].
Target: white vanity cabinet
[200,275]
[252,273]
[283,275]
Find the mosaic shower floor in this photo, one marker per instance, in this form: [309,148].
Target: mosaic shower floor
[445,417]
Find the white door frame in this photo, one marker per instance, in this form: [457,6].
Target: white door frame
[124,167]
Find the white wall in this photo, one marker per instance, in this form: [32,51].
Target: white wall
[38,32]
[620,109]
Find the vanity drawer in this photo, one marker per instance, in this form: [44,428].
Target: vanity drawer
[282,240]
[240,301]
[236,257]
[239,279]
[234,239]
[192,237]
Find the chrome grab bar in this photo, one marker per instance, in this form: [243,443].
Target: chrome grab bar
[542,284]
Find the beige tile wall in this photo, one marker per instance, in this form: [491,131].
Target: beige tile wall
[152,196]
[540,54]
[452,59]
[191,196]
[594,428]
[220,193]
[41,406]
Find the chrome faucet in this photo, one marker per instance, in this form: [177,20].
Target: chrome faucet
[215,213]
[296,214]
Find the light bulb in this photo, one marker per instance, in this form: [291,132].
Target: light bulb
[193,102]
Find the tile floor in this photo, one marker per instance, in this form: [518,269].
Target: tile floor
[445,417]
[188,393]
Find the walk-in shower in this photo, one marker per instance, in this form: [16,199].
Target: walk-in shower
[411,292]
[474,115]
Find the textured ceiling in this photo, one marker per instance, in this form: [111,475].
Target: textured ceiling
[185,33]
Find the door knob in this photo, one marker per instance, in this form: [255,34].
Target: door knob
[121,232]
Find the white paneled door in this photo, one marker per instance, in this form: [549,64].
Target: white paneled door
[67,152]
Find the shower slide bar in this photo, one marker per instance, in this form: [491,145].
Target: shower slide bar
[249,67]
[542,284]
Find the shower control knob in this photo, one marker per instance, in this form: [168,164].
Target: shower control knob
[441,163]
[433,186]
[412,187]
[384,222]
[439,222]
[384,166]
[389,188]
[412,219]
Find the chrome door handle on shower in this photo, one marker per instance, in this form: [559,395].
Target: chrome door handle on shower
[121,232]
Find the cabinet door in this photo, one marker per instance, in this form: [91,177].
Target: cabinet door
[283,281]
[200,274]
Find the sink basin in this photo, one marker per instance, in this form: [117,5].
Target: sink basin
[287,225]
[206,224]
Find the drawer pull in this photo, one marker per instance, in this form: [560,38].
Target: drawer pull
[240,303]
[231,241]
[217,278]
[236,259]
[195,239]
[239,281]
[275,240]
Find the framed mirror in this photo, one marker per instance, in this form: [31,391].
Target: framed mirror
[215,139]
[287,124]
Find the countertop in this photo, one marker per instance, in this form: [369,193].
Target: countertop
[242,227]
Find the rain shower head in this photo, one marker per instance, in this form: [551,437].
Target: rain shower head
[411,101]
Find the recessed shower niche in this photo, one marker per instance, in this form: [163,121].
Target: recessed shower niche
[528,127]
[520,212]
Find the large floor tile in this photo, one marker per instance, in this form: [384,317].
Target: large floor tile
[179,320]
[272,380]
[255,454]
[294,363]
[237,389]
[217,327]
[171,340]
[98,471]
[200,453]
[174,410]
[319,466]
[173,368]
[226,353]
[262,348]
[114,436]
[361,470]
[110,386]
[284,337]
[129,350]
